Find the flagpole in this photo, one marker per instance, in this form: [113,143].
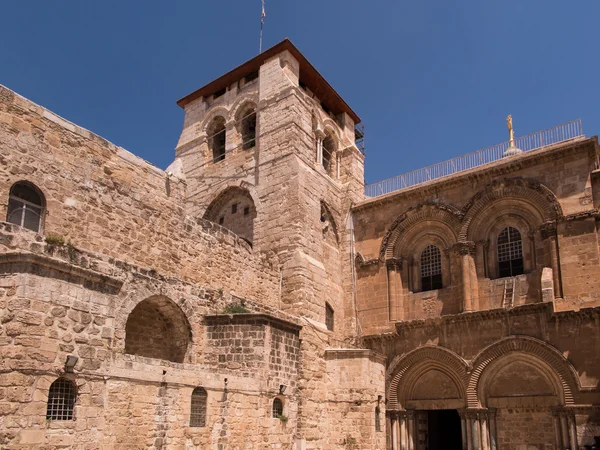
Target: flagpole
[262,20]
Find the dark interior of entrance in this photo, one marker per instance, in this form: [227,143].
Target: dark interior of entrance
[443,430]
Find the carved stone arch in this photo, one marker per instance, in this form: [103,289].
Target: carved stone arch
[423,359]
[329,227]
[447,214]
[531,192]
[217,111]
[235,209]
[554,360]
[240,104]
[332,127]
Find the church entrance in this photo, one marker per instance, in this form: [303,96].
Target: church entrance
[439,430]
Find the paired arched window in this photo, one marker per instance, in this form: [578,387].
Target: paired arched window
[249,129]
[61,400]
[198,409]
[26,206]
[216,138]
[510,253]
[277,408]
[431,268]
[329,316]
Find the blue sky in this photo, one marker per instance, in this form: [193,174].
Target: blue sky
[430,79]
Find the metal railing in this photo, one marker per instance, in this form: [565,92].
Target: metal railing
[560,133]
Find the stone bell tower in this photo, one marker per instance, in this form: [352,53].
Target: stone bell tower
[268,151]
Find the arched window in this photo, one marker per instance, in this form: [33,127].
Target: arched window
[510,253]
[61,400]
[249,128]
[277,408]
[216,138]
[329,316]
[198,409]
[328,151]
[26,206]
[431,268]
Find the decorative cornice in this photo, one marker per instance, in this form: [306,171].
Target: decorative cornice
[547,230]
[582,215]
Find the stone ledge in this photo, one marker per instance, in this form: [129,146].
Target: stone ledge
[248,318]
[60,266]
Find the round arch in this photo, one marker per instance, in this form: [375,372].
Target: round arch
[241,103]
[234,209]
[433,362]
[445,214]
[535,352]
[534,197]
[158,328]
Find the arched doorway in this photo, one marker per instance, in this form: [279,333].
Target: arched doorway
[426,393]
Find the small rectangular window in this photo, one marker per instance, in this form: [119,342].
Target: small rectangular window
[251,77]
[246,210]
[221,220]
[219,93]
[234,208]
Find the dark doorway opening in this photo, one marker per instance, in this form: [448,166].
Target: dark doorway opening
[443,430]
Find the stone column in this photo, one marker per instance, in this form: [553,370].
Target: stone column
[564,431]
[466,251]
[480,258]
[465,435]
[394,271]
[492,428]
[550,238]
[557,433]
[572,431]
[395,430]
[412,432]
[403,433]
[485,436]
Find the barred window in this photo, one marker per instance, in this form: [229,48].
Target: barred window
[25,206]
[61,400]
[198,410]
[277,408]
[431,268]
[510,252]
[329,316]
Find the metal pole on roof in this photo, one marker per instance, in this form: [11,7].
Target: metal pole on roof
[262,21]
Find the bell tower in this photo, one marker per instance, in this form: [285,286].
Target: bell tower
[268,152]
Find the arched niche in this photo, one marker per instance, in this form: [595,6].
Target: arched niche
[158,328]
[234,209]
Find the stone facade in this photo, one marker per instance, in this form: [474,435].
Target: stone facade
[460,313]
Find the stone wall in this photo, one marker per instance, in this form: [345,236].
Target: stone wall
[102,199]
[546,194]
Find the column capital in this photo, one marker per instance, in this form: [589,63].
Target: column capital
[548,229]
[394,263]
[464,248]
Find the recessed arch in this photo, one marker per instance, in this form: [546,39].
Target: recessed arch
[535,349]
[436,212]
[158,328]
[234,209]
[329,227]
[405,370]
[534,197]
[217,138]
